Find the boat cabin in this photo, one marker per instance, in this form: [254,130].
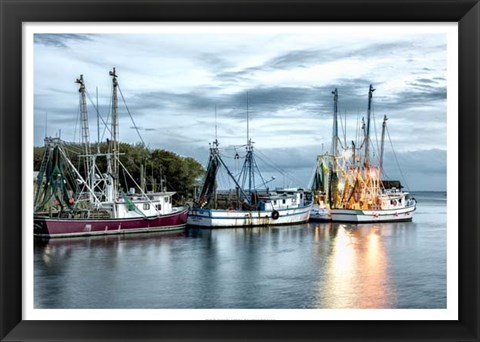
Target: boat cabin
[282,199]
[150,204]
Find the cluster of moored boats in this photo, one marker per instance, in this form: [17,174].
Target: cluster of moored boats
[346,187]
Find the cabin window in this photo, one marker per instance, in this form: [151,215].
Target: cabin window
[166,199]
[301,196]
[283,201]
[158,207]
[146,206]
[275,202]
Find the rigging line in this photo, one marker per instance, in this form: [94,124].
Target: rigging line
[133,121]
[231,175]
[98,113]
[268,161]
[228,157]
[283,172]
[77,173]
[243,174]
[375,129]
[77,120]
[261,176]
[386,176]
[72,149]
[313,173]
[344,131]
[125,179]
[224,181]
[272,164]
[134,182]
[110,109]
[357,128]
[232,147]
[396,160]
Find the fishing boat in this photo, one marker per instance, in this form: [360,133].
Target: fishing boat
[349,187]
[248,204]
[71,203]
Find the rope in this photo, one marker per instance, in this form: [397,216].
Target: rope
[133,121]
[98,113]
[396,160]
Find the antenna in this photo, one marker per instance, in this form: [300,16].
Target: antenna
[215,122]
[46,120]
[98,124]
[248,127]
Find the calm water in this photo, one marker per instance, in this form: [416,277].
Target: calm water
[394,265]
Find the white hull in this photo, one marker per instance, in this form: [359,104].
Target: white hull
[319,214]
[243,218]
[390,215]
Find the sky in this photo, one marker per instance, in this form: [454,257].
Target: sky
[174,81]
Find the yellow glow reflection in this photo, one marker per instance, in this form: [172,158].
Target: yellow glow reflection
[340,271]
[357,274]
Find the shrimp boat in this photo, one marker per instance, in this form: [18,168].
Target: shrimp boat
[246,205]
[68,203]
[348,187]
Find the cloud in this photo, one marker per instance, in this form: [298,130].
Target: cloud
[59,40]
[172,84]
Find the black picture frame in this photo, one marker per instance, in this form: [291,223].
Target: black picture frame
[14,13]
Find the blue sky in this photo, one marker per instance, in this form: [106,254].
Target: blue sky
[172,82]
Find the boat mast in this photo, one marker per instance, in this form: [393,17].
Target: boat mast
[89,169]
[249,155]
[367,132]
[335,123]
[114,128]
[384,125]
[84,115]
[98,124]
[215,152]
[112,155]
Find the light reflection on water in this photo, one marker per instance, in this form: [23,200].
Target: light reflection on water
[358,269]
[327,265]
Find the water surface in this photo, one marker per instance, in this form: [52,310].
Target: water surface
[313,265]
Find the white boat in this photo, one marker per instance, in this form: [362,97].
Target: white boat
[282,206]
[247,205]
[348,186]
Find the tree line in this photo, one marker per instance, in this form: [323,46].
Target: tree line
[161,169]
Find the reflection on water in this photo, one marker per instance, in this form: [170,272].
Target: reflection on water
[358,264]
[391,265]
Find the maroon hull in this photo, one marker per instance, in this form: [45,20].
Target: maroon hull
[53,227]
